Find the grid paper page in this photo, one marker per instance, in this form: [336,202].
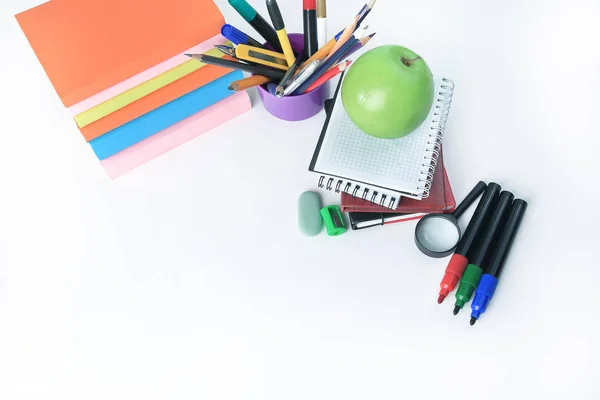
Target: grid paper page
[396,164]
[400,158]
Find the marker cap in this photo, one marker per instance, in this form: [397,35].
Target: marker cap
[321,9]
[235,35]
[275,15]
[454,271]
[244,9]
[468,283]
[309,4]
[483,295]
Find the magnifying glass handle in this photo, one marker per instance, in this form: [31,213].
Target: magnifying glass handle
[471,197]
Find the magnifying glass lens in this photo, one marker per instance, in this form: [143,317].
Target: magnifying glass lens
[438,234]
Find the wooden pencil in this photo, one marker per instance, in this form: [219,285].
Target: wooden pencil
[362,43]
[247,83]
[345,36]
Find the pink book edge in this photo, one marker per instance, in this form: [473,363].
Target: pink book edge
[142,77]
[176,135]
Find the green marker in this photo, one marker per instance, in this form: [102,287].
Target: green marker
[467,286]
[474,270]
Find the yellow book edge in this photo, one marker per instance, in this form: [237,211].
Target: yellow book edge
[116,103]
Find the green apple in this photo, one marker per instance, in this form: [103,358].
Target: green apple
[388,92]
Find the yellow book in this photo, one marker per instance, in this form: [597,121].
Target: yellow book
[116,103]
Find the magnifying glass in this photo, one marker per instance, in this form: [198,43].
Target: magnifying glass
[437,235]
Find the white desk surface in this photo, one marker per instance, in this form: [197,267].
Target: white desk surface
[188,279]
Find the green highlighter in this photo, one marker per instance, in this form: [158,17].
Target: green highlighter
[334,222]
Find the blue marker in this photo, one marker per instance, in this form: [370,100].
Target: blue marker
[236,36]
[489,280]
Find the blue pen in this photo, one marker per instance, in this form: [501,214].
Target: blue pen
[236,36]
[489,280]
[363,14]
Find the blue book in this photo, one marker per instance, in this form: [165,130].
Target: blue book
[163,117]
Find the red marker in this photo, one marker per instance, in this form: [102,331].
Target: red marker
[459,261]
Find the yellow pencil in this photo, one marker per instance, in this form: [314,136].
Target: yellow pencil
[279,26]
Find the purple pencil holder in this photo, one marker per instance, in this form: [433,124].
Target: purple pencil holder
[294,108]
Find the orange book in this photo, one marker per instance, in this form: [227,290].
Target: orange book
[154,100]
[86,46]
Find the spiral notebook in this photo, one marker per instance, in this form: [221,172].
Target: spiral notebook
[381,170]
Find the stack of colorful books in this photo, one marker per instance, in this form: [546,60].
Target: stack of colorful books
[119,67]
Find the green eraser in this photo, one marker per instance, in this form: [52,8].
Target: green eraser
[310,222]
[334,222]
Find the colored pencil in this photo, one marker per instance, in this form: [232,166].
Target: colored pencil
[279,26]
[321,53]
[361,43]
[345,36]
[332,73]
[333,59]
[362,14]
[366,12]
[255,69]
[250,82]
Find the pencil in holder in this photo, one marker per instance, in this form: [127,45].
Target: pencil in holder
[294,107]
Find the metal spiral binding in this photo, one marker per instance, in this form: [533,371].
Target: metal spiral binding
[440,118]
[355,190]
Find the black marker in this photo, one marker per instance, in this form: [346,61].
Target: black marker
[257,22]
[489,280]
[311,39]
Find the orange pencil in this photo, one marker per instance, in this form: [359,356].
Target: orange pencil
[247,83]
[333,72]
[345,36]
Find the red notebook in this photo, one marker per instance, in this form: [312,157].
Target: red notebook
[441,198]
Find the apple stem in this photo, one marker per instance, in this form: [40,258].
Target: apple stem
[408,62]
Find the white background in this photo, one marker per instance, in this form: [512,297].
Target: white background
[188,278]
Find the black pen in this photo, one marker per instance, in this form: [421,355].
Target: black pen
[257,22]
[311,39]
[279,26]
